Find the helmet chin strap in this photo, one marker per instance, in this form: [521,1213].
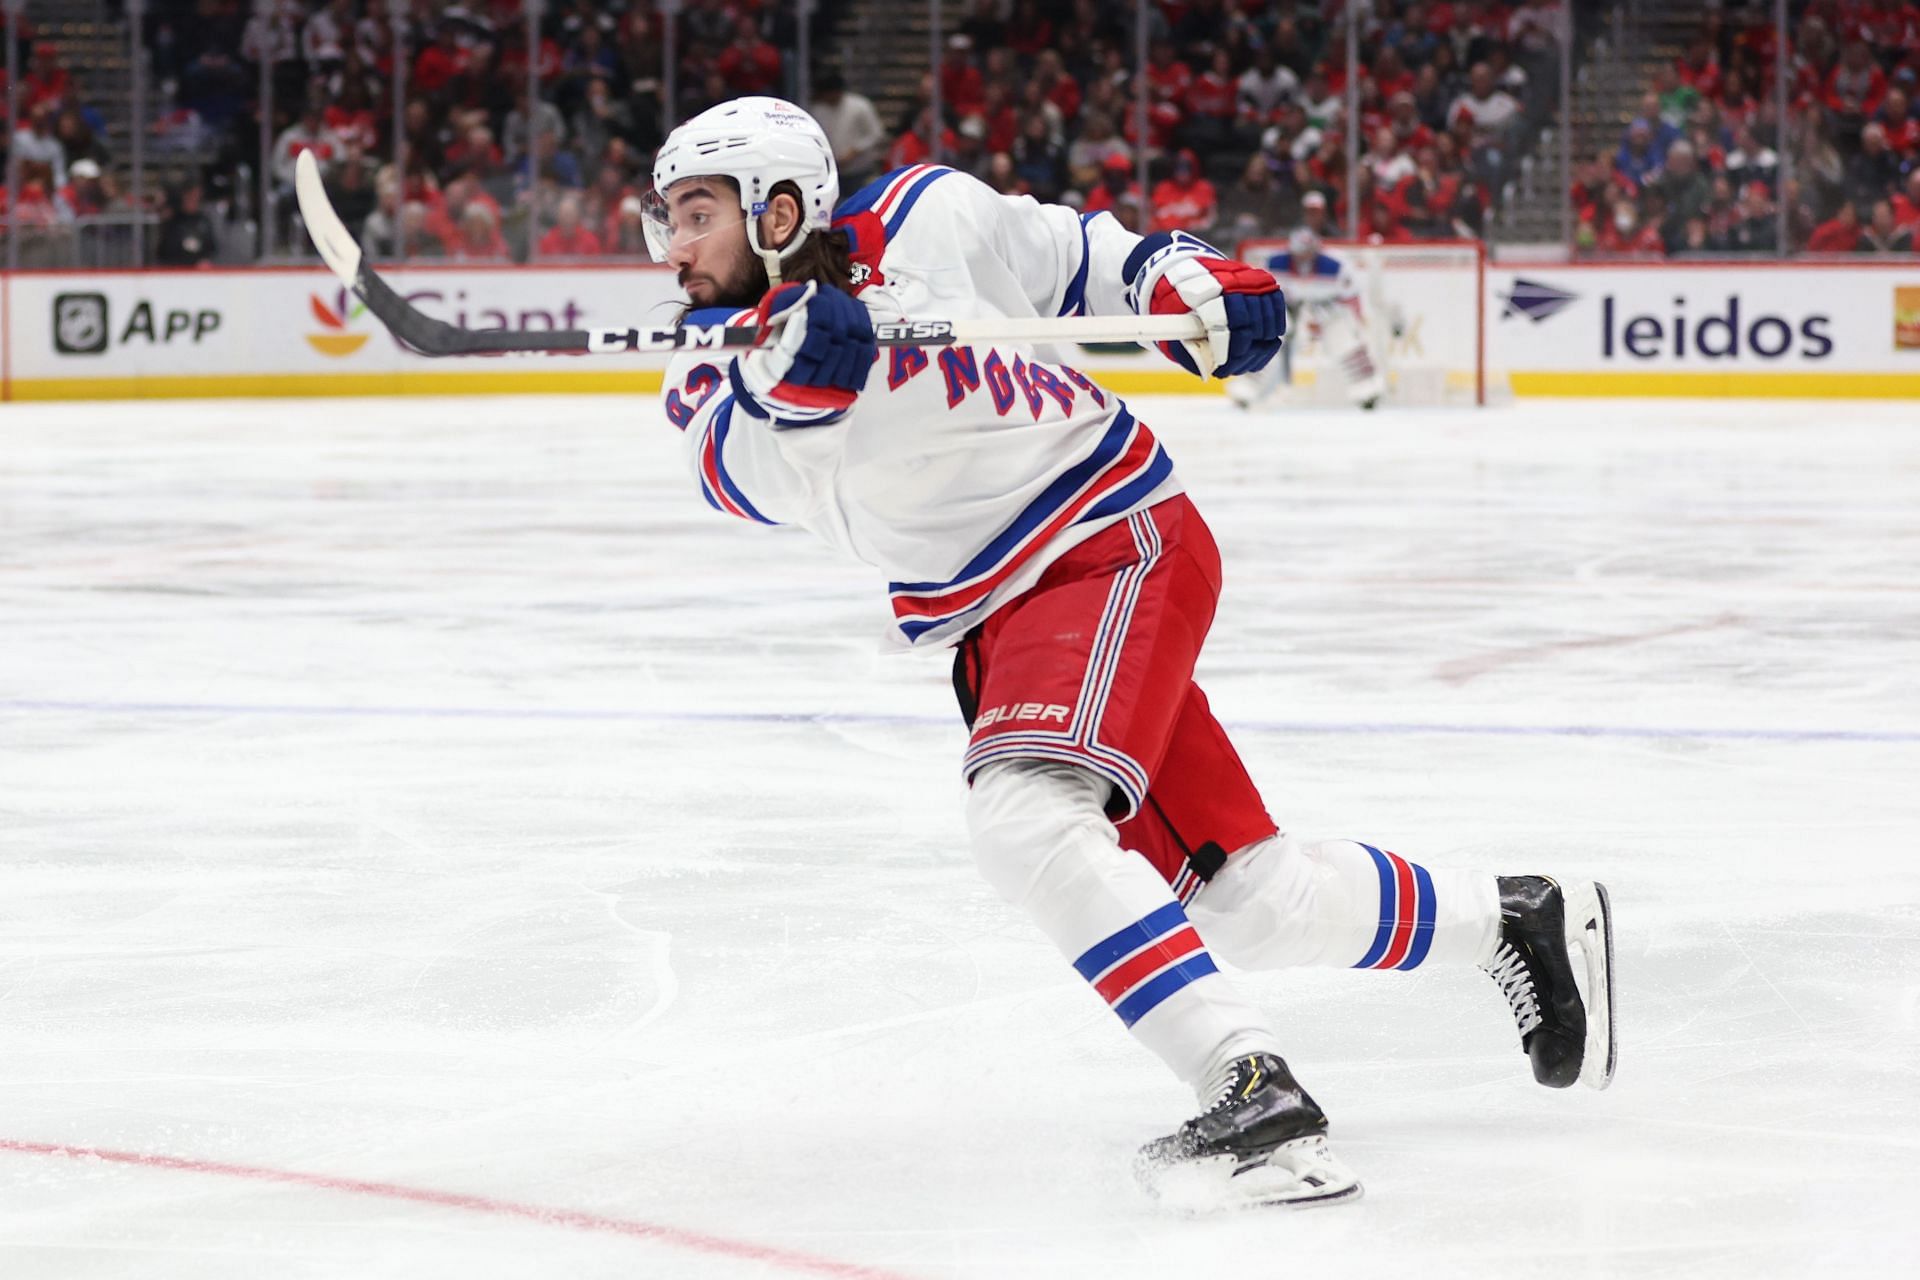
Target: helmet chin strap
[773,257]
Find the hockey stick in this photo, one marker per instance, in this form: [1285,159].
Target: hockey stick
[431,337]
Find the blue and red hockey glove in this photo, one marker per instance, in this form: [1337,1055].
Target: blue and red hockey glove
[1242,306]
[815,351]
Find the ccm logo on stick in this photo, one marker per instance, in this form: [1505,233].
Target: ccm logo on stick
[695,337]
[1041,711]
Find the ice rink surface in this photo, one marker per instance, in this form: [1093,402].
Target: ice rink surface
[434,844]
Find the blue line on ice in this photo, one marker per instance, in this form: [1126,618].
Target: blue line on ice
[644,716]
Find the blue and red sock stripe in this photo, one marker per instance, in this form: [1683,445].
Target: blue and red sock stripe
[1405,932]
[1137,968]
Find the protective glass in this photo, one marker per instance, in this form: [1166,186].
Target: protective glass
[668,228]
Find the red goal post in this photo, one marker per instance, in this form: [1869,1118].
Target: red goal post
[1425,308]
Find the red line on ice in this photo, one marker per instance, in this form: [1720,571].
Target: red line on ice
[674,1236]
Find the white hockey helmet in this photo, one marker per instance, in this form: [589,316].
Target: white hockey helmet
[1304,245]
[757,142]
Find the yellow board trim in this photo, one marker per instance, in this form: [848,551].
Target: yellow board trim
[1154,382]
[468,381]
[1772,384]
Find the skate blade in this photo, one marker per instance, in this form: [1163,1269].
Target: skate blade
[1590,931]
[1300,1174]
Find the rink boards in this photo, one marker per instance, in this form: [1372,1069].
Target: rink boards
[1842,328]
[1819,330]
[297,332]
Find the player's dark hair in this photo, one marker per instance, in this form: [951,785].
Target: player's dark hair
[825,256]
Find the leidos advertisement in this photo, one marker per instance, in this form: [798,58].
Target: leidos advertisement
[1715,330]
[212,333]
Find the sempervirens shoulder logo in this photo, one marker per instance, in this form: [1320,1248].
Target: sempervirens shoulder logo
[337,341]
[1536,301]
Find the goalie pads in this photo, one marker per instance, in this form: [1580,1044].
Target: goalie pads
[1344,339]
[1337,329]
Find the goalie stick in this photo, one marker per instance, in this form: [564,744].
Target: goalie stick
[432,337]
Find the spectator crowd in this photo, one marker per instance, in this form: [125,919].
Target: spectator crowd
[58,172]
[1244,130]
[1245,123]
[488,173]
[490,169]
[1699,169]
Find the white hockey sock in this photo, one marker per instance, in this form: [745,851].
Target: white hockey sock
[1285,902]
[1042,838]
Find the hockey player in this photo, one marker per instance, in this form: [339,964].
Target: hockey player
[1026,518]
[1321,292]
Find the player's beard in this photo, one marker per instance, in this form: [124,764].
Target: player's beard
[743,286]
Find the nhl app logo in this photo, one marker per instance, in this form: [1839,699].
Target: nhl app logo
[80,323]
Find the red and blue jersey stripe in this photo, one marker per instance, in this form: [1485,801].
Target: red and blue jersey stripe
[790,404]
[1405,931]
[716,484]
[1074,301]
[891,196]
[1137,968]
[1124,466]
[703,384]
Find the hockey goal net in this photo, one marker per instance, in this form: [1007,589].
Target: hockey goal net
[1424,310]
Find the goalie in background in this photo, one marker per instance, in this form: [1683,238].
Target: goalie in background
[1325,302]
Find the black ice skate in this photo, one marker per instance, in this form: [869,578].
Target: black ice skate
[1567,1036]
[1263,1141]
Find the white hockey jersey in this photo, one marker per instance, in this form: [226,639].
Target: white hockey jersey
[960,472]
[1325,279]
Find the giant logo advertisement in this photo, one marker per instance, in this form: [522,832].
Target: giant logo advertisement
[186,332]
[343,330]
